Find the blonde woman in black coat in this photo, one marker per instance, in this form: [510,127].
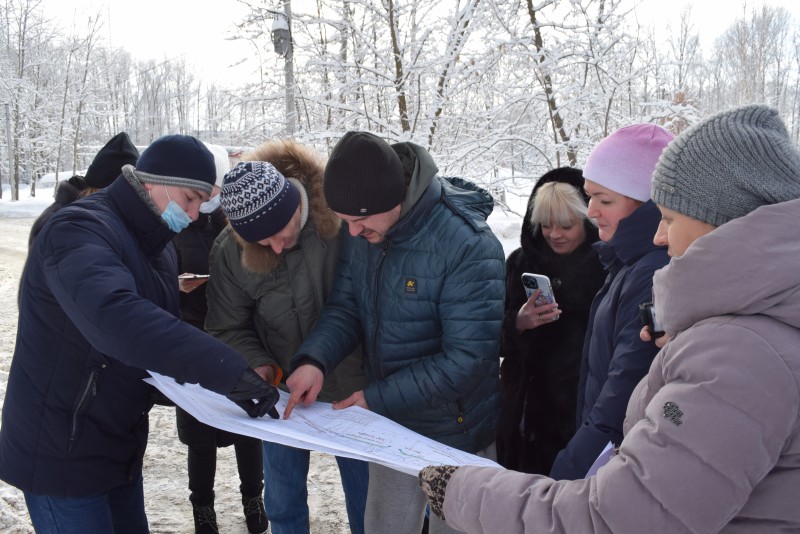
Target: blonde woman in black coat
[542,345]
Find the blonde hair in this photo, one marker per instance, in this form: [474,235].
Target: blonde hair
[558,203]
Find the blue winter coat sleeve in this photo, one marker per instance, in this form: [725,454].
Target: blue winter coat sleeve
[630,362]
[102,299]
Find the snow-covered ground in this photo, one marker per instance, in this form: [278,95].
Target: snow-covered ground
[165,479]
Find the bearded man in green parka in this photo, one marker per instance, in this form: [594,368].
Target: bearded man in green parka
[271,271]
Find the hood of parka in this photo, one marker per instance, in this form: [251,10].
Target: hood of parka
[302,163]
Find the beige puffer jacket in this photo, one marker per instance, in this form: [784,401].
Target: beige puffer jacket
[711,434]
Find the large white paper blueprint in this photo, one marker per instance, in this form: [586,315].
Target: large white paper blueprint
[352,432]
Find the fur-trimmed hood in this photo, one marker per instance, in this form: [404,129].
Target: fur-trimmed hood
[302,163]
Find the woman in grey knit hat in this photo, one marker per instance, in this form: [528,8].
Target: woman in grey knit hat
[712,433]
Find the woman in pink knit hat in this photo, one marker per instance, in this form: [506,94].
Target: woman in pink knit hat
[618,176]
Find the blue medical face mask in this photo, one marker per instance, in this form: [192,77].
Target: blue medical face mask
[210,205]
[174,216]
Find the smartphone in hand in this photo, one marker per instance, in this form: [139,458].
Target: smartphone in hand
[648,312]
[531,282]
[191,276]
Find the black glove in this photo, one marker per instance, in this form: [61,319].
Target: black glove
[251,386]
[433,480]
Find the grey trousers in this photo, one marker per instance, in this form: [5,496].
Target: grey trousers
[396,503]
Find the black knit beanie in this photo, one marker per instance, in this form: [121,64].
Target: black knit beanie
[364,176]
[179,161]
[108,162]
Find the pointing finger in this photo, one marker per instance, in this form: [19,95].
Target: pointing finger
[289,407]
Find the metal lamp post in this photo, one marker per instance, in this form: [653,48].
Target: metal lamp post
[282,42]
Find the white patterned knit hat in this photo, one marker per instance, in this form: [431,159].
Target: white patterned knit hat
[258,200]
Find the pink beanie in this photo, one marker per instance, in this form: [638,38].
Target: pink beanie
[625,160]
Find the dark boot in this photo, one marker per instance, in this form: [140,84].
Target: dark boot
[205,519]
[255,515]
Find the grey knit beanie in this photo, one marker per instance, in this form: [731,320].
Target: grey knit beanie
[728,165]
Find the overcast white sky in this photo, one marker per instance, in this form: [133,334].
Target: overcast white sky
[167,29]
[710,17]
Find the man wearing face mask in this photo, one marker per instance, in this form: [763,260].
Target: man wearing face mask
[99,308]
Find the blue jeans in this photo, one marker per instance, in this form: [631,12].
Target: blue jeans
[286,492]
[117,511]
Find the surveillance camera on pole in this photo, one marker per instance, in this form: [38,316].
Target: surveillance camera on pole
[281,37]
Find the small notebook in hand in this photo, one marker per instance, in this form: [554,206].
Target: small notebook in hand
[602,459]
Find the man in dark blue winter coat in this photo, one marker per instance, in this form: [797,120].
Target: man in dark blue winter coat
[98,307]
[421,284]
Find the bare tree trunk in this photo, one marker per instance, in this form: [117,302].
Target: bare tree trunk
[17,132]
[90,41]
[547,83]
[458,39]
[63,115]
[399,74]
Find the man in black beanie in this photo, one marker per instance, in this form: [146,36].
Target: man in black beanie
[421,285]
[104,169]
[98,309]
[364,176]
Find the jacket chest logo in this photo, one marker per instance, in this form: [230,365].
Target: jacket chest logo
[411,285]
[673,413]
